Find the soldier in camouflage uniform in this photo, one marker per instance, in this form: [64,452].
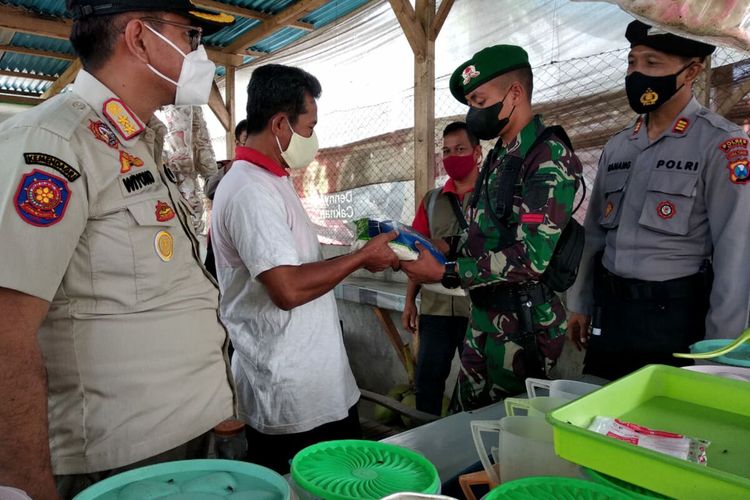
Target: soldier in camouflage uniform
[502,258]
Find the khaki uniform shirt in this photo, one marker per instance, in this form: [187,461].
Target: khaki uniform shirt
[90,222]
[443,222]
[660,208]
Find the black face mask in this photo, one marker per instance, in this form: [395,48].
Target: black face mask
[647,93]
[483,122]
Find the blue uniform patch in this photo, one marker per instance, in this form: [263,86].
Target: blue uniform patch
[41,198]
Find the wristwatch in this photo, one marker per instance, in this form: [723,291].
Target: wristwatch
[450,276]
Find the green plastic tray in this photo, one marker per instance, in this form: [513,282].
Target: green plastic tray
[670,399]
[362,470]
[554,488]
[635,492]
[209,480]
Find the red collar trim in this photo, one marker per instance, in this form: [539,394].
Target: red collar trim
[257,158]
[450,187]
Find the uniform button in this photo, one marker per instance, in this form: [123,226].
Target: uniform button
[467,274]
[79,105]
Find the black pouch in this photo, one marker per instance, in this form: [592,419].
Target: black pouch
[563,266]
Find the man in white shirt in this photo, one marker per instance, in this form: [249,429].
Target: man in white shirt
[294,384]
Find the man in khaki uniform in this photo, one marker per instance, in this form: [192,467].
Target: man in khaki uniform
[442,318]
[102,287]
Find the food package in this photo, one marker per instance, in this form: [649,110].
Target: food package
[188,154]
[404,246]
[718,22]
[669,443]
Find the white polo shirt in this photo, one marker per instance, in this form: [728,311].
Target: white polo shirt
[290,367]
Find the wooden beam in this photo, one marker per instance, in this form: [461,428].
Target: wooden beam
[223,58]
[216,103]
[442,14]
[25,21]
[248,13]
[407,18]
[17,99]
[736,96]
[272,24]
[30,76]
[424,105]
[398,407]
[68,76]
[36,52]
[229,80]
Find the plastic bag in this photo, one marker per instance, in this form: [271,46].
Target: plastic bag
[718,22]
[669,443]
[188,153]
[404,246]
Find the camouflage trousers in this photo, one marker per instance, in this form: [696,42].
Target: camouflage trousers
[494,367]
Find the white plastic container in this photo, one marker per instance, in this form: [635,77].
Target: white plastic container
[565,389]
[726,371]
[525,449]
[533,407]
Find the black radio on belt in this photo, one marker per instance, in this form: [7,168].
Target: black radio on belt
[450,275]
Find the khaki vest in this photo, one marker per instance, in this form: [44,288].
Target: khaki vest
[442,222]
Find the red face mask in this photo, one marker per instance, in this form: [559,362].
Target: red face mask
[458,167]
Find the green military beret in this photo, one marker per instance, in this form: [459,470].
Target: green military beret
[486,65]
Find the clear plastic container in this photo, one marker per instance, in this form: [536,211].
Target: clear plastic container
[230,441]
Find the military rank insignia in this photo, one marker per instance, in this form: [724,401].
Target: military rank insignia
[164,245]
[469,73]
[41,199]
[681,126]
[128,161]
[163,212]
[122,118]
[649,97]
[103,133]
[638,125]
[666,209]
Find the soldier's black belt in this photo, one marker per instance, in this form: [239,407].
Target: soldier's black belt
[508,297]
[634,289]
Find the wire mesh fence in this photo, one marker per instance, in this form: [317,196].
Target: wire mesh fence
[373,175]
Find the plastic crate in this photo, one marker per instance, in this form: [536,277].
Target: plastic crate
[673,400]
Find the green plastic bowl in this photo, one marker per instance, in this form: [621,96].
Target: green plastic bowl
[631,489]
[362,470]
[192,480]
[554,488]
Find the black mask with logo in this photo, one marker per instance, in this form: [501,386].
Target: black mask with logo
[483,122]
[648,93]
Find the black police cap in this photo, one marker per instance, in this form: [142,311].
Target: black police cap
[639,33]
[210,21]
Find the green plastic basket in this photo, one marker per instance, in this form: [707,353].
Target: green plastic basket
[192,480]
[554,488]
[673,400]
[362,470]
[631,489]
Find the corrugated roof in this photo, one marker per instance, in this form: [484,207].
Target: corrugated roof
[27,64]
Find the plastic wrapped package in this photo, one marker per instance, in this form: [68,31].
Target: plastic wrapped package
[718,22]
[404,246]
[188,154]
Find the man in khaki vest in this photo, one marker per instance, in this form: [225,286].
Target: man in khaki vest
[111,353]
[443,318]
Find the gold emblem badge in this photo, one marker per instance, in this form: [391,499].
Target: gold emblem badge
[164,244]
[608,209]
[649,97]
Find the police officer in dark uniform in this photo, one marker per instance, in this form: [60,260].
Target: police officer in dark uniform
[667,239]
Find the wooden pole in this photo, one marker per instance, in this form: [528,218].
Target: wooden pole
[424,105]
[230,99]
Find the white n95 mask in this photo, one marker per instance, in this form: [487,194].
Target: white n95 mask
[196,75]
[301,150]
